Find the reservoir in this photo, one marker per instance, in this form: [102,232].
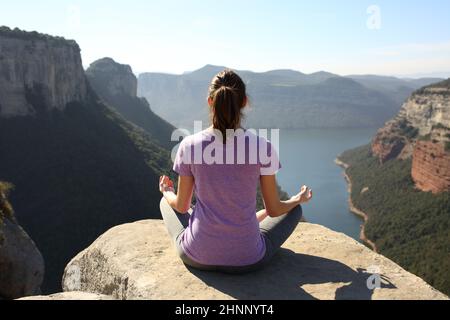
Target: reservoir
[307,157]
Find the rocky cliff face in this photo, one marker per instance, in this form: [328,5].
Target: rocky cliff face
[21,263]
[117,85]
[49,75]
[112,78]
[83,166]
[431,167]
[138,261]
[421,130]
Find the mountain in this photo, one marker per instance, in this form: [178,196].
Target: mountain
[78,166]
[117,85]
[298,100]
[399,89]
[421,131]
[402,184]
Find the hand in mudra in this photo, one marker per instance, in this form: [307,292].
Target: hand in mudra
[304,196]
[165,184]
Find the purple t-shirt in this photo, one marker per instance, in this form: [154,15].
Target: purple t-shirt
[223,228]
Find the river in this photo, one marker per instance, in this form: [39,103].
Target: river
[307,157]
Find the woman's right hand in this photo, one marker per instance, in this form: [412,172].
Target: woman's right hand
[304,196]
[165,184]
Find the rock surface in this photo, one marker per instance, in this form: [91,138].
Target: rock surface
[421,130]
[70,296]
[112,78]
[49,76]
[138,261]
[21,263]
[431,167]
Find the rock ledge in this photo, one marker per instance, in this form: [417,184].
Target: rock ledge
[138,261]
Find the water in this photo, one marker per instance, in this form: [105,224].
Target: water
[307,157]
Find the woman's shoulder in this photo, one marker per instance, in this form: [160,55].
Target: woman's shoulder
[240,134]
[196,138]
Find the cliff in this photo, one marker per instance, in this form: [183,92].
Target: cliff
[421,130]
[138,261]
[21,263]
[78,166]
[112,78]
[49,75]
[116,84]
[431,167]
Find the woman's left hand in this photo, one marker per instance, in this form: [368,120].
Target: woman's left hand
[304,196]
[165,184]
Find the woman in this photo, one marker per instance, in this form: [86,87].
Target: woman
[223,232]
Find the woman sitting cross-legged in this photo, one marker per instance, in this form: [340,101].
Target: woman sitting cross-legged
[223,166]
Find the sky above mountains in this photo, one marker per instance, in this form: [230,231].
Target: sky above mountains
[402,38]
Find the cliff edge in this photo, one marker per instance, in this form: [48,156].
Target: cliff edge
[38,73]
[421,131]
[138,261]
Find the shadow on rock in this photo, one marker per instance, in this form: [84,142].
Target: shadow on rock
[291,276]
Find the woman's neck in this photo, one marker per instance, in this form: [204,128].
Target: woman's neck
[239,127]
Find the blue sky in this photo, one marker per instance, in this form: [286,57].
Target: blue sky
[391,37]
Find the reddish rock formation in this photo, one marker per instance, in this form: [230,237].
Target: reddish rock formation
[385,150]
[425,115]
[431,167]
[388,143]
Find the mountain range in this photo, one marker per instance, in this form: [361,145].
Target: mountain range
[283,98]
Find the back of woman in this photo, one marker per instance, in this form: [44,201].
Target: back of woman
[223,166]
[224,229]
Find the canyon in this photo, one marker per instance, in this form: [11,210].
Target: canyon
[421,131]
[78,166]
[83,151]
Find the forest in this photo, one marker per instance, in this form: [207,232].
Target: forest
[408,226]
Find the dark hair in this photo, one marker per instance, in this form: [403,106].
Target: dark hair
[228,94]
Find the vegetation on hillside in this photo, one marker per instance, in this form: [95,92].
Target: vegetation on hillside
[407,130]
[408,226]
[442,84]
[6,210]
[78,173]
[16,33]
[132,108]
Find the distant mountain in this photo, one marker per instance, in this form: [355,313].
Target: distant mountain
[79,168]
[117,86]
[399,89]
[283,98]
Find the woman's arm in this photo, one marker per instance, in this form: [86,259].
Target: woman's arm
[181,201]
[274,206]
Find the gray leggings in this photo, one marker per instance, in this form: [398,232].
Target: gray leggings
[275,232]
